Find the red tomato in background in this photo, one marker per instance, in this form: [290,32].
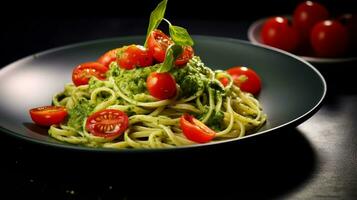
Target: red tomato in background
[278,32]
[108,57]
[329,38]
[195,130]
[157,44]
[109,123]
[350,22]
[48,115]
[186,55]
[134,56]
[161,85]
[83,72]
[246,79]
[306,15]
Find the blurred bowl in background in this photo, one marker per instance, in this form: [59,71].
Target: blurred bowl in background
[254,37]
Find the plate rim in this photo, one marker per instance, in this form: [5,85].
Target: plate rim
[72,147]
[256,25]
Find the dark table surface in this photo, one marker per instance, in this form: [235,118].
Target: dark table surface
[316,160]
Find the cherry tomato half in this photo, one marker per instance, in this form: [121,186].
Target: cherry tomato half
[135,56]
[306,15]
[83,72]
[278,32]
[195,130]
[48,115]
[186,55]
[329,38]
[246,79]
[161,85]
[158,42]
[108,57]
[109,123]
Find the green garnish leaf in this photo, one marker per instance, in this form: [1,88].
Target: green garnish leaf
[172,53]
[156,17]
[180,36]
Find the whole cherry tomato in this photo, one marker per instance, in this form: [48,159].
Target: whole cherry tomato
[306,15]
[161,85]
[246,79]
[349,20]
[278,32]
[108,57]
[329,38]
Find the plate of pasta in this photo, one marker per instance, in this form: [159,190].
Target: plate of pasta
[159,91]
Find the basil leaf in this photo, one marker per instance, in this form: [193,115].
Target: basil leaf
[156,17]
[172,53]
[180,36]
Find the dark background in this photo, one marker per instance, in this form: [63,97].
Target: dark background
[315,160]
[32,26]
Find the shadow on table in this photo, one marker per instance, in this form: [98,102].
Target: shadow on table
[260,167]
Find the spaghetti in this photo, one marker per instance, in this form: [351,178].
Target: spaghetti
[154,123]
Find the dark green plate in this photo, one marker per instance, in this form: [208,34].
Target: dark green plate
[292,89]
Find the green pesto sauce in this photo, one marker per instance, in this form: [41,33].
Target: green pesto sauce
[191,78]
[77,114]
[215,121]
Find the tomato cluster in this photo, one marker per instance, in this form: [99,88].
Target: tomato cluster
[112,123]
[245,78]
[311,32]
[158,42]
[130,57]
[163,85]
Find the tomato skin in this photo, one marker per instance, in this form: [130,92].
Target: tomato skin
[157,44]
[109,123]
[186,55]
[329,38]
[135,56]
[277,32]
[48,115]
[108,57]
[349,21]
[306,15]
[195,130]
[161,85]
[83,72]
[246,79]
[224,81]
